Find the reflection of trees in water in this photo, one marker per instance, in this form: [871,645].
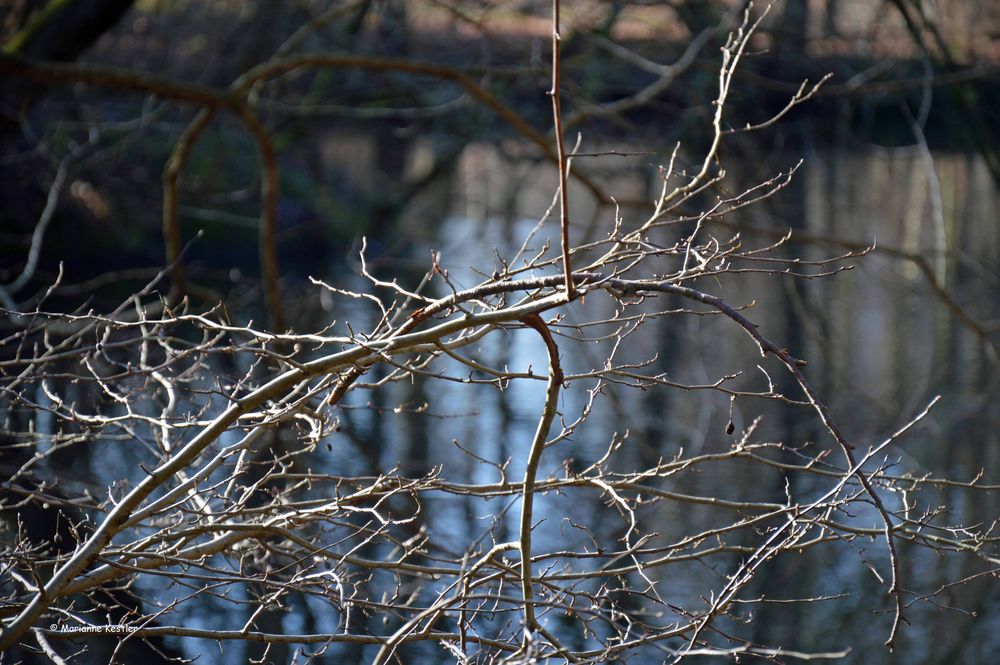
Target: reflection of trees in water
[828,318]
[881,313]
[417,513]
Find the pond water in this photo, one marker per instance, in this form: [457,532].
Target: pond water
[911,319]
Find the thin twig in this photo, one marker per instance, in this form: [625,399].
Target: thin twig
[561,152]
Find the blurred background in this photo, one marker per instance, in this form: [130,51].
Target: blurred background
[900,150]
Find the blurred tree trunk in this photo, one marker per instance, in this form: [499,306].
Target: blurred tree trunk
[830,18]
[61,30]
[792,28]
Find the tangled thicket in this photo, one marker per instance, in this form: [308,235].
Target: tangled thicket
[228,504]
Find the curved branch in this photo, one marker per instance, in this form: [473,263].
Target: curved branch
[918,260]
[234,99]
[793,365]
[268,218]
[535,322]
[43,72]
[50,73]
[171,176]
[356,358]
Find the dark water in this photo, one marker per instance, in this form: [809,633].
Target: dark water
[910,320]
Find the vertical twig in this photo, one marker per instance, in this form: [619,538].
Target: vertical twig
[531,470]
[171,176]
[268,218]
[560,153]
[35,250]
